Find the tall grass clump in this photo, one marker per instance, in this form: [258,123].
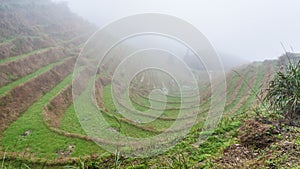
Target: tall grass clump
[283,92]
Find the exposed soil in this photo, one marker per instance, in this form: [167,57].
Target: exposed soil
[251,81]
[257,134]
[235,156]
[259,146]
[54,111]
[98,93]
[237,87]
[57,106]
[16,69]
[14,103]
[66,152]
[23,45]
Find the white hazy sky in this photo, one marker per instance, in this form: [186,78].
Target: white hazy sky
[248,29]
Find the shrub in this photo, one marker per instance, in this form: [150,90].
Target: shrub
[283,92]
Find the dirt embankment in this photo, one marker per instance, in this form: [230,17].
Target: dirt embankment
[23,45]
[56,108]
[258,142]
[17,101]
[16,69]
[54,111]
[98,92]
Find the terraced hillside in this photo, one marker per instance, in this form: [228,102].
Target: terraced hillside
[38,123]
[39,43]
[49,129]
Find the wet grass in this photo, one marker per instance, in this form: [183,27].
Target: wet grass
[41,142]
[70,121]
[10,86]
[45,143]
[242,90]
[14,58]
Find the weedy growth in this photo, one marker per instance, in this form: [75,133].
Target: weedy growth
[283,92]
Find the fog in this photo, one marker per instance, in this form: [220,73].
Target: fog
[244,30]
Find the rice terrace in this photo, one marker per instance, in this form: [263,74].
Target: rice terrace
[62,107]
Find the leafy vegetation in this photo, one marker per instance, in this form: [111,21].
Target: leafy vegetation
[283,92]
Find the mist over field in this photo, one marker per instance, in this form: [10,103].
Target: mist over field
[241,31]
[149,84]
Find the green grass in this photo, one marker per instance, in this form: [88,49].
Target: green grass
[241,91]
[231,87]
[14,58]
[70,122]
[182,155]
[145,101]
[5,89]
[186,155]
[255,88]
[6,41]
[42,142]
[167,113]
[158,124]
[138,102]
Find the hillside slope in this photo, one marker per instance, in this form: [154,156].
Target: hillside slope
[39,44]
[38,39]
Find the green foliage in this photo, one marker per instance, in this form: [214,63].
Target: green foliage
[42,142]
[284,91]
[10,86]
[14,58]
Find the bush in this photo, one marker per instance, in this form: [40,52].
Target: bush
[283,92]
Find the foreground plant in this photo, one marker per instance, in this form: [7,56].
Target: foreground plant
[283,92]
